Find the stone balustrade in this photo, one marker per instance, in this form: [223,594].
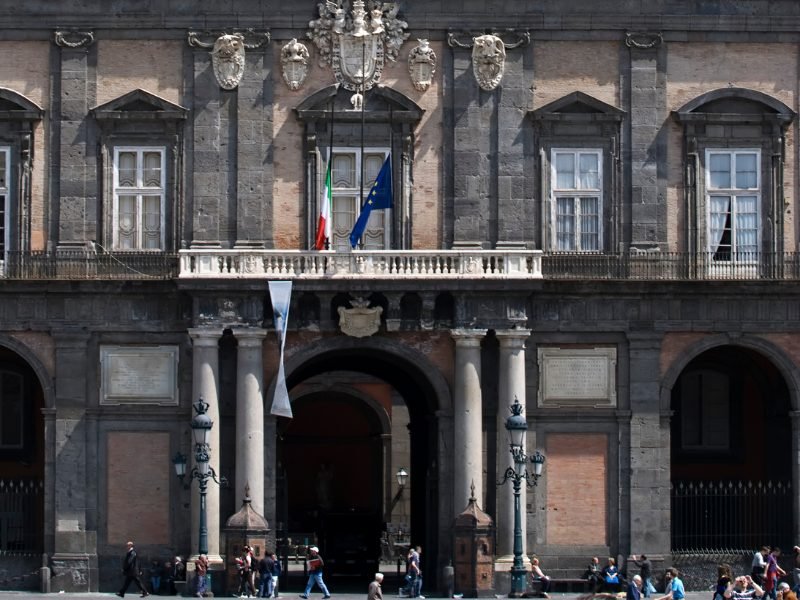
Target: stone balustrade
[371,264]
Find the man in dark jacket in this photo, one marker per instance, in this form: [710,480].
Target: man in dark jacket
[130,568]
[265,566]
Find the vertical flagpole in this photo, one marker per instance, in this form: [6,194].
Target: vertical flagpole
[363,102]
[328,241]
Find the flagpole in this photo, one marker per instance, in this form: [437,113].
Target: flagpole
[363,102]
[328,241]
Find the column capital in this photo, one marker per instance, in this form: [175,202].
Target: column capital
[204,336]
[250,338]
[512,338]
[468,337]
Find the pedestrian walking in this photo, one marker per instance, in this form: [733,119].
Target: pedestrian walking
[200,571]
[635,588]
[772,573]
[315,565]
[645,567]
[265,576]
[374,591]
[674,585]
[130,568]
[758,568]
[276,573]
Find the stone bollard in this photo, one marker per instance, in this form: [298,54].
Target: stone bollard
[44,576]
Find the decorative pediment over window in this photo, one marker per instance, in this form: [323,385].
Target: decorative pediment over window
[139,105]
[577,106]
[16,107]
[383,104]
[735,105]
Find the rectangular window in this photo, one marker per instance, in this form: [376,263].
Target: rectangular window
[577,184]
[733,197]
[139,192]
[11,413]
[5,190]
[345,193]
[705,411]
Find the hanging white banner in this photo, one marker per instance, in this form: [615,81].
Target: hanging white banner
[280,293]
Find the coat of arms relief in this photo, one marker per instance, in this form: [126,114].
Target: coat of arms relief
[355,41]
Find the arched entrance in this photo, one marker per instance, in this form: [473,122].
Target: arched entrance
[731,451]
[22,452]
[362,410]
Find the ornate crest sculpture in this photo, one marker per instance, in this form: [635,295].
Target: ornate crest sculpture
[227,54]
[489,55]
[422,65]
[360,321]
[488,61]
[294,63]
[356,43]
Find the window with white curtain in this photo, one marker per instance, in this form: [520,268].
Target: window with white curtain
[5,185]
[577,184]
[139,192]
[733,198]
[346,201]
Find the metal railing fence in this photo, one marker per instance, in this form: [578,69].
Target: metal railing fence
[21,516]
[730,516]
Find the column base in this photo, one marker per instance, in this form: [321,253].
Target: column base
[74,572]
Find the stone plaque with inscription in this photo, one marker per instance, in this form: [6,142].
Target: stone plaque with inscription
[139,375]
[577,377]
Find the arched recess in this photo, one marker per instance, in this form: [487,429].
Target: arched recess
[733,447]
[386,123]
[345,371]
[26,398]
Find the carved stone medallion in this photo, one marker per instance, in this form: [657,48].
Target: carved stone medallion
[422,65]
[488,61]
[355,43]
[360,321]
[227,58]
[294,63]
[227,53]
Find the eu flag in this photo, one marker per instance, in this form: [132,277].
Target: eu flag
[380,196]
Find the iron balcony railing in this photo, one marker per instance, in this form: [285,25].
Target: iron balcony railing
[81,264]
[730,516]
[400,264]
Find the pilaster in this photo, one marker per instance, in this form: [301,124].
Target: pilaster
[649,448]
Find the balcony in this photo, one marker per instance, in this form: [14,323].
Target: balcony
[206,264]
[361,264]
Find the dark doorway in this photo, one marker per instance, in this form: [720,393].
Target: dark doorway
[333,457]
[731,454]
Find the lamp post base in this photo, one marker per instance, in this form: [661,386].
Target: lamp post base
[518,582]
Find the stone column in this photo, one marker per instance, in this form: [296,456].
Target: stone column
[511,385]
[649,449]
[250,417]
[205,382]
[794,415]
[74,559]
[467,418]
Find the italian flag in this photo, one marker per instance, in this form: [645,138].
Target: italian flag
[324,224]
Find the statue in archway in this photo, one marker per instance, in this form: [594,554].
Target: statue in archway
[324,482]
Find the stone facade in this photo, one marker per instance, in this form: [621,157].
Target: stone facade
[470,276]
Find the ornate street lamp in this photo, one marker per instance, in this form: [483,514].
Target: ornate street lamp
[517,425]
[202,471]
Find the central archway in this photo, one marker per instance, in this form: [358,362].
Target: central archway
[362,409]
